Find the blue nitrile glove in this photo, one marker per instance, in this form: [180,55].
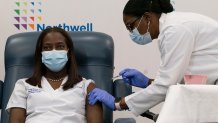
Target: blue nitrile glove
[134,78]
[102,96]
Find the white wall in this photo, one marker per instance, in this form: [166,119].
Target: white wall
[106,16]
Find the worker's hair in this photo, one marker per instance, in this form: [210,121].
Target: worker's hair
[40,68]
[139,7]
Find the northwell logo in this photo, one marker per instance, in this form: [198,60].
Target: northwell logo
[85,27]
[28,16]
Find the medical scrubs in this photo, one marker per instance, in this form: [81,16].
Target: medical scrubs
[48,105]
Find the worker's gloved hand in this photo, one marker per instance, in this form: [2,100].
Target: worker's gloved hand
[102,96]
[134,78]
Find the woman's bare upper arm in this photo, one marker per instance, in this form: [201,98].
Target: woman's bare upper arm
[17,115]
[94,114]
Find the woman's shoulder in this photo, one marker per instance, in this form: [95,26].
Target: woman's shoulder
[85,83]
[87,80]
[22,82]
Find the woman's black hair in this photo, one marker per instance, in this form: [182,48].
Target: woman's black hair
[139,7]
[40,68]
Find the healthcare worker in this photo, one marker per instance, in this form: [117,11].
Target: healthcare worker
[55,93]
[188,43]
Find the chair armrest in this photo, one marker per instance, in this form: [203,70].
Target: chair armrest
[1,91]
[125,120]
[121,89]
[150,115]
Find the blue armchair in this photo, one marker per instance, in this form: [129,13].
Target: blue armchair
[94,55]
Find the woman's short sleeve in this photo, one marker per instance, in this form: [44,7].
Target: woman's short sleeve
[18,97]
[87,82]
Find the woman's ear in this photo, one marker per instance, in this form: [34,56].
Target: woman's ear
[68,53]
[147,16]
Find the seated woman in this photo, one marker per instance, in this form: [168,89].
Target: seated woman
[55,93]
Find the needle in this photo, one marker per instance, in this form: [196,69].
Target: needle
[115,77]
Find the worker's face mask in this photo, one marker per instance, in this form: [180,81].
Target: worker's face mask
[54,60]
[138,38]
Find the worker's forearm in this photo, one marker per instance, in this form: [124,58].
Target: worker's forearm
[123,104]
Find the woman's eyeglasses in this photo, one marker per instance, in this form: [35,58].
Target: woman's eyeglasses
[130,25]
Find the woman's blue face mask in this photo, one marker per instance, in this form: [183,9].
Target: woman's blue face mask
[138,38]
[55,60]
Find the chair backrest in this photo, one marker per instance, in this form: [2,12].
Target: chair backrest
[94,55]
